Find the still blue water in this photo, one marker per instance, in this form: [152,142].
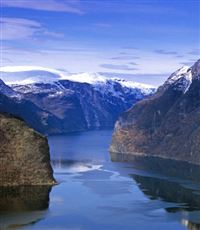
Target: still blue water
[95,193]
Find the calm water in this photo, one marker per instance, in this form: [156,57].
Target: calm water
[95,193]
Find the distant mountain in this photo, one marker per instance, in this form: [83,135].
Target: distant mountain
[166,124]
[6,90]
[37,118]
[79,101]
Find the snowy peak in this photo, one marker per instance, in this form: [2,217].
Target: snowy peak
[36,74]
[30,75]
[131,84]
[180,80]
[90,78]
[182,72]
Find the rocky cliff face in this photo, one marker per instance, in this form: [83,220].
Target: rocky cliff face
[24,154]
[167,124]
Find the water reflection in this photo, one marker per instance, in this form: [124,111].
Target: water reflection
[169,168]
[170,181]
[23,205]
[169,191]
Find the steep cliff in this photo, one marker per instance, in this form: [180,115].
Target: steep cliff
[167,124]
[24,154]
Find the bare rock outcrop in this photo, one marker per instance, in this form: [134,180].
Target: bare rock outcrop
[24,154]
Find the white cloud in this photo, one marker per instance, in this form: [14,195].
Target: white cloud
[18,28]
[71,6]
[117,67]
[20,21]
[21,28]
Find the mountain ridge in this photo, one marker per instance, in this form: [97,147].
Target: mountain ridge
[78,105]
[56,75]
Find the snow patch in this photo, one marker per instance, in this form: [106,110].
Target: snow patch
[181,79]
[90,78]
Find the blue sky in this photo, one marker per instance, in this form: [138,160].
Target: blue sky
[133,37]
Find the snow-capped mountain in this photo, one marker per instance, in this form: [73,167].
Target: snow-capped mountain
[180,79]
[80,101]
[29,75]
[167,124]
[27,78]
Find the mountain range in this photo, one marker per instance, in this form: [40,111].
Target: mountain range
[53,102]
